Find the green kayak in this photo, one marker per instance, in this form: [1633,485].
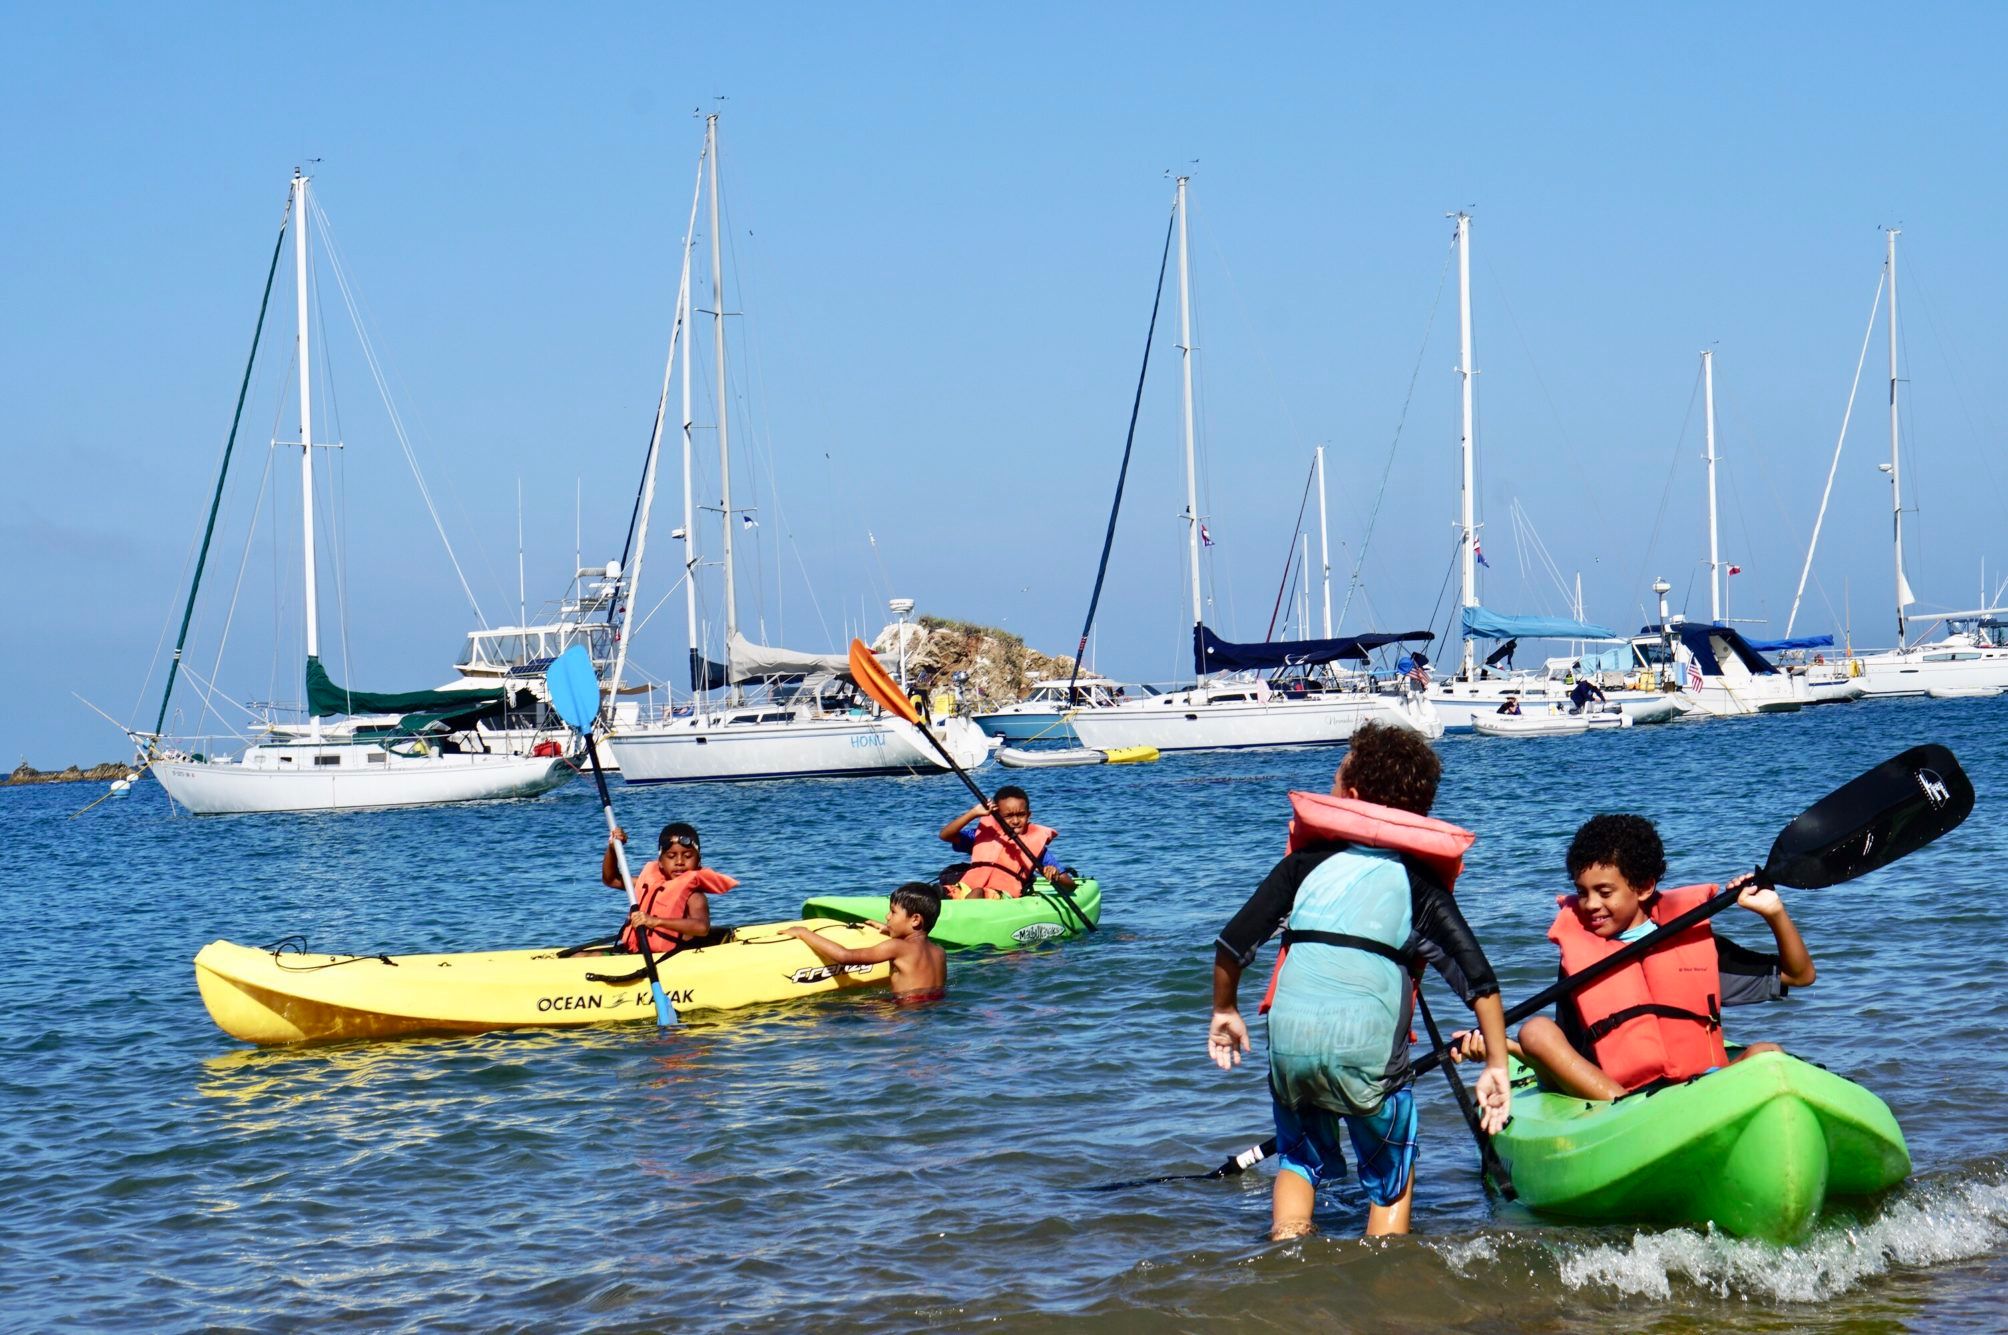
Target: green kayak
[1042,914]
[1754,1149]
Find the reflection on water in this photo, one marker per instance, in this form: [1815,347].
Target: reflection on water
[845,1162]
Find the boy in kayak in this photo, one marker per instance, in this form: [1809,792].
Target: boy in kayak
[919,966]
[1365,891]
[1660,1017]
[997,866]
[672,893]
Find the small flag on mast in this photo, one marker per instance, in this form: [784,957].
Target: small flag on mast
[1205,538]
[1478,550]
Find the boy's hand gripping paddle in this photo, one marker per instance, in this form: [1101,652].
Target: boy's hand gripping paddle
[871,677]
[575,693]
[1867,823]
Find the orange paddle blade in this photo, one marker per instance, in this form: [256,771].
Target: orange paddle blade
[867,673]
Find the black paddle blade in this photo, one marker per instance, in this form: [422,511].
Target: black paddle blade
[1893,810]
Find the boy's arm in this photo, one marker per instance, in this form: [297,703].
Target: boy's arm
[695,922]
[1495,1091]
[1265,911]
[832,953]
[1227,1036]
[610,867]
[1795,964]
[952,831]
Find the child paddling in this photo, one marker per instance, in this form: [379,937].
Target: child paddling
[1365,890]
[997,867]
[1658,1018]
[672,892]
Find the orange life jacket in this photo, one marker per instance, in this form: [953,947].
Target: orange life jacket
[660,895]
[1320,818]
[1659,1017]
[996,863]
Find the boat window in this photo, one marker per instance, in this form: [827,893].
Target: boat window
[781,716]
[377,758]
[327,760]
[1229,699]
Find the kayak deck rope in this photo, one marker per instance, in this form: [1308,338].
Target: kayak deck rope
[296,944]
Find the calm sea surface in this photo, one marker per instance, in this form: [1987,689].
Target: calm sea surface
[840,1165]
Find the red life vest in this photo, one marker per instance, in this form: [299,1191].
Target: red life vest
[1659,1017]
[997,863]
[1320,818]
[660,895]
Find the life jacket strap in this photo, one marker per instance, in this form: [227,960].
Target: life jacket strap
[1345,940]
[1610,1023]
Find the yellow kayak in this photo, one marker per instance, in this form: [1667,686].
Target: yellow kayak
[268,997]
[1131,755]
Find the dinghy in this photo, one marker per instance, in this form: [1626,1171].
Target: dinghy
[1043,913]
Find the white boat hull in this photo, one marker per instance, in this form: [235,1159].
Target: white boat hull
[1187,721]
[706,749]
[1964,692]
[1923,670]
[250,784]
[1462,704]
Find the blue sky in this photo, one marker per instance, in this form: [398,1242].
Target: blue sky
[943,228]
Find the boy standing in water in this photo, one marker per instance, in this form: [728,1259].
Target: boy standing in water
[1364,892]
[919,966]
[1659,1017]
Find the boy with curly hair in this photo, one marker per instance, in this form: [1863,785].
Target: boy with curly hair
[1365,892]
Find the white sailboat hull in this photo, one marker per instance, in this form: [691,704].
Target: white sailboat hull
[1931,668]
[260,781]
[1721,697]
[1462,704]
[708,749]
[1188,721]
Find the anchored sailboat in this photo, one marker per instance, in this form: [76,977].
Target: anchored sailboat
[395,749]
[1221,714]
[1476,689]
[786,713]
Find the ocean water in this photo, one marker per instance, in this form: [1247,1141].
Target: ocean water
[839,1164]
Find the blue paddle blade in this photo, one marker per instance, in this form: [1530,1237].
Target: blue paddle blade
[665,1014]
[574,687]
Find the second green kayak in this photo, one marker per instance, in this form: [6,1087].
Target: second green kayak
[1041,914]
[1756,1149]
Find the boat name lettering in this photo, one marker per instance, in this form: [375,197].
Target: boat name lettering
[865,739]
[585,1003]
[825,972]
[1038,931]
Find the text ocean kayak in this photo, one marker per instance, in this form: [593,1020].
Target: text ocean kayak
[265,997]
[1041,914]
[1755,1149]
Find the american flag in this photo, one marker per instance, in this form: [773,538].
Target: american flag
[1694,676]
[1418,672]
[1478,550]
[1205,538]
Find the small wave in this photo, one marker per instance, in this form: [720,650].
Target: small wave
[1927,1224]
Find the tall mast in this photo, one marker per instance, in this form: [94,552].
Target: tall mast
[629,586]
[1466,521]
[1324,543]
[306,430]
[724,440]
[1303,586]
[1714,560]
[694,642]
[1903,594]
[1185,368]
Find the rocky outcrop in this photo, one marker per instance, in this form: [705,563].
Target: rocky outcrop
[998,669]
[26,773]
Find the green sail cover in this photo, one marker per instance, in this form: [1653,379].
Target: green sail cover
[324,697]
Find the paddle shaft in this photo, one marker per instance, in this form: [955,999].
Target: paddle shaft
[665,1014]
[1488,1157]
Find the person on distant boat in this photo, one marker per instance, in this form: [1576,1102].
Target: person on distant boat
[1585,691]
[1364,900]
[919,966]
[672,892]
[1660,1017]
[1511,707]
[997,867]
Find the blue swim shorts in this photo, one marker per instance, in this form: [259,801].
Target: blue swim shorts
[1307,1144]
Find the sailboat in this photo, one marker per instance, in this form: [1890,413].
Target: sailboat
[1475,690]
[1972,657]
[1221,712]
[785,713]
[395,749]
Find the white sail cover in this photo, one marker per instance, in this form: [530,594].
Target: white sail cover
[748,661]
